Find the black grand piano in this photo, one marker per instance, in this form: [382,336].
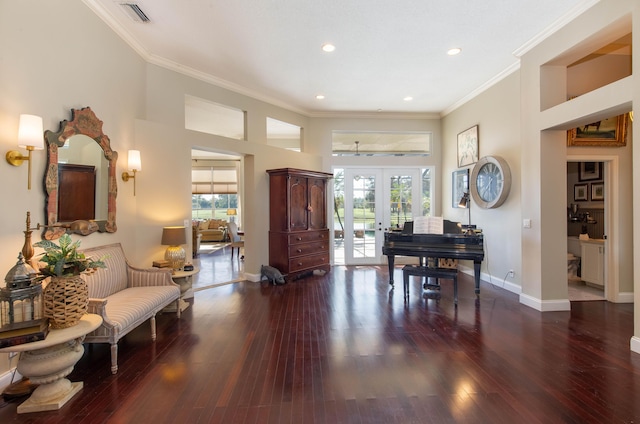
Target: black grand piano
[451,245]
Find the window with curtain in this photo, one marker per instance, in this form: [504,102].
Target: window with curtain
[214,190]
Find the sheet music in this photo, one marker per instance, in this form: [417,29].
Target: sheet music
[428,225]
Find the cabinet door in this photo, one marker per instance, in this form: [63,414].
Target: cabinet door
[76,192]
[298,198]
[317,203]
[593,263]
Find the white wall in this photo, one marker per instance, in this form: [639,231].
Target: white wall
[56,56]
[497,114]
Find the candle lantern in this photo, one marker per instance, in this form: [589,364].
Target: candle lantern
[21,303]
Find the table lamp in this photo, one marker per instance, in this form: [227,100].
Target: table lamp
[231,213]
[174,237]
[465,202]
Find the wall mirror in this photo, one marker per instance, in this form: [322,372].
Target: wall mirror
[80,180]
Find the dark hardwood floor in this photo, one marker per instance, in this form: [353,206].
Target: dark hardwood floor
[344,348]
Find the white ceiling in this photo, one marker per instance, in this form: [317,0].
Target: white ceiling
[385,50]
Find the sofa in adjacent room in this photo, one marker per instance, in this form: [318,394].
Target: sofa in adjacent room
[212,230]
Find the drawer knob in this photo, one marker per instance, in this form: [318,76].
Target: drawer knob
[299,250]
[299,238]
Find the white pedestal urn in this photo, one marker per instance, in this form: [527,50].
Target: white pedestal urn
[48,367]
[47,362]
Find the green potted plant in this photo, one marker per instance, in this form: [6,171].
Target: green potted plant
[66,295]
[64,260]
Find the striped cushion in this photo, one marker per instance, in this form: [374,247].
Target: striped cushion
[129,306]
[105,282]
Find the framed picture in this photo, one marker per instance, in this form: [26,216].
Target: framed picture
[580,192]
[610,132]
[459,186]
[597,191]
[468,147]
[589,171]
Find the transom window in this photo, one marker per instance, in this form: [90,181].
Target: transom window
[350,143]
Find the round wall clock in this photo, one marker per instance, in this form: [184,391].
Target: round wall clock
[490,182]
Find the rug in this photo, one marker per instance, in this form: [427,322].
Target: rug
[208,248]
[580,292]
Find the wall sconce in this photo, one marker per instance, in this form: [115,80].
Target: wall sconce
[174,237]
[30,137]
[135,164]
[465,202]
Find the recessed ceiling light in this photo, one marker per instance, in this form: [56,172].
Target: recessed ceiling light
[320,96]
[454,51]
[328,47]
[408,99]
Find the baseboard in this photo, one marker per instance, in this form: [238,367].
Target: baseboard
[486,278]
[635,344]
[254,278]
[624,297]
[545,305]
[9,377]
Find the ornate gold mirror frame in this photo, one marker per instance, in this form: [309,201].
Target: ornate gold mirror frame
[84,122]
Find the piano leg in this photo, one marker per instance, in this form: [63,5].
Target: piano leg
[391,259]
[476,272]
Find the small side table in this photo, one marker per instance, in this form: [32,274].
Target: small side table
[185,280]
[47,362]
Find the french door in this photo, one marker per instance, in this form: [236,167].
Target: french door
[375,199]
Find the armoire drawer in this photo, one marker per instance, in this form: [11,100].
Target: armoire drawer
[306,262]
[308,248]
[308,236]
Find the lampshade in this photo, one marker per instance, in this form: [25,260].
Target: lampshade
[30,132]
[133,160]
[231,212]
[173,236]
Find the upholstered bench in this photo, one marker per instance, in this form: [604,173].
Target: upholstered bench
[430,272]
[125,297]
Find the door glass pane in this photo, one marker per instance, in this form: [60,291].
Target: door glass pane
[426,192]
[338,216]
[364,209]
[400,200]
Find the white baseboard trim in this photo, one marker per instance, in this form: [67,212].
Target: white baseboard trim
[635,344]
[545,305]
[624,297]
[7,376]
[486,278]
[254,278]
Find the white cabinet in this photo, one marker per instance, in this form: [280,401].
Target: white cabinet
[593,262]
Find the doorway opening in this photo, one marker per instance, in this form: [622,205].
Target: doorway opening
[587,230]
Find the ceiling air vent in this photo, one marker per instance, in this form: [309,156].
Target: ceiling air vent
[134,12]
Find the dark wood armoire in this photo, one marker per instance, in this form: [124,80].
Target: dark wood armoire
[298,232]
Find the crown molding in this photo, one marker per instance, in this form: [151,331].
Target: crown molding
[493,81]
[573,13]
[112,23]
[373,115]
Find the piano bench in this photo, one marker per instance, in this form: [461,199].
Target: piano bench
[430,272]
